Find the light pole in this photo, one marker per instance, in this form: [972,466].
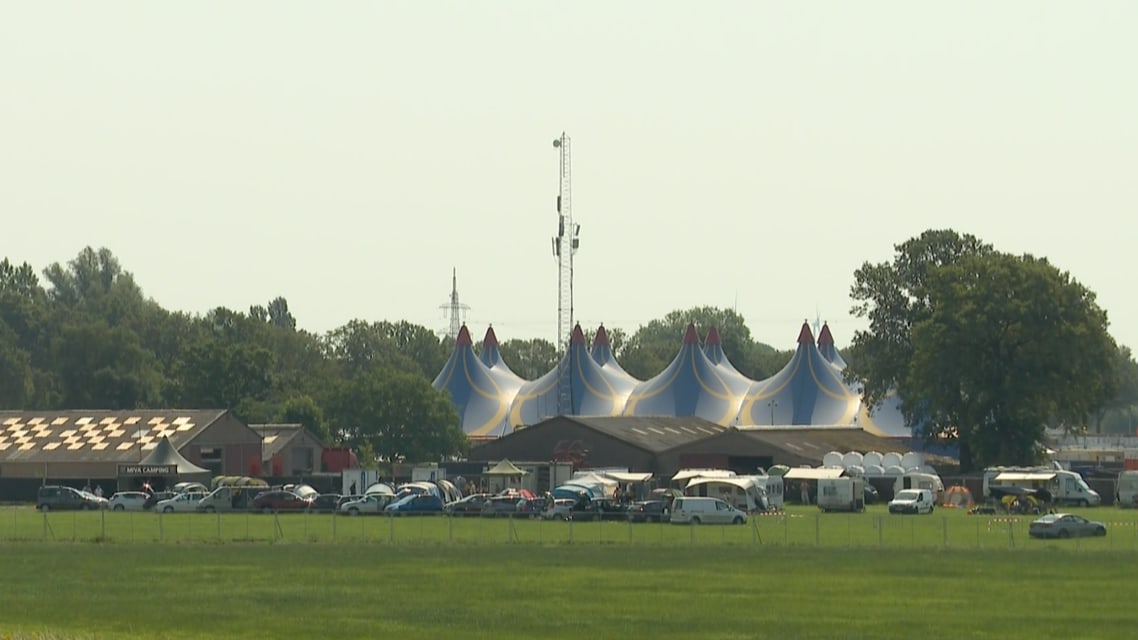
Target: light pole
[772,404]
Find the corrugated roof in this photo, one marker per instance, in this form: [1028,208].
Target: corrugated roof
[96,436]
[816,442]
[651,434]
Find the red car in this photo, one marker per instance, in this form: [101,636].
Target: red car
[271,501]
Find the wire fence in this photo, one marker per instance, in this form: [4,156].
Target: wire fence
[783,529]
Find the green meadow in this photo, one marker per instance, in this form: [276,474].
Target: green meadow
[808,575]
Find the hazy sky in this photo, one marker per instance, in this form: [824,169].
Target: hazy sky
[736,154]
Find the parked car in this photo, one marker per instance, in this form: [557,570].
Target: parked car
[373,503]
[649,511]
[1065,525]
[287,501]
[325,503]
[128,501]
[471,505]
[181,502]
[59,498]
[912,501]
[500,506]
[561,509]
[872,495]
[423,503]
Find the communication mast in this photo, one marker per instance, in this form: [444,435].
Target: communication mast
[565,244]
[454,309]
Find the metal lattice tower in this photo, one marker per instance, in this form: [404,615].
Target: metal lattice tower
[454,309]
[565,245]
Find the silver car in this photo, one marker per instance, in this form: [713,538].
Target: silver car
[1065,525]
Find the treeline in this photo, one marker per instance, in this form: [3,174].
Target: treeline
[85,336]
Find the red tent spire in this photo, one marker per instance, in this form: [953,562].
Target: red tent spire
[824,336]
[602,336]
[691,336]
[713,336]
[463,339]
[578,336]
[805,336]
[491,340]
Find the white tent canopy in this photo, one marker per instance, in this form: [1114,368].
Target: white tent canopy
[621,476]
[687,474]
[804,473]
[505,468]
[743,483]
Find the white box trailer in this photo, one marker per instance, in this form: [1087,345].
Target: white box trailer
[841,494]
[1126,494]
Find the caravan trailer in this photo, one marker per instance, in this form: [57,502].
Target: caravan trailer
[918,480]
[1127,493]
[841,494]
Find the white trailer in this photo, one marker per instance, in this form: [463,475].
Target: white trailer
[841,494]
[1127,492]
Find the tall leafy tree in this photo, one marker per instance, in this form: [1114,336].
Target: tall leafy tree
[655,345]
[399,415]
[985,348]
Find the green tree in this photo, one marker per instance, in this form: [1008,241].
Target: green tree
[302,409]
[361,346]
[400,416]
[654,346]
[993,347]
[530,359]
[102,366]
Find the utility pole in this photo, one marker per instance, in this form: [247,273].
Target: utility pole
[565,245]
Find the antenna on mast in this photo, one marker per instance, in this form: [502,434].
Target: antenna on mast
[565,245]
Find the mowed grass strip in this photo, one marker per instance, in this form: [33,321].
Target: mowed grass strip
[798,527]
[355,590]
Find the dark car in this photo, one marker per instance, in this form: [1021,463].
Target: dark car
[1065,525]
[325,503]
[649,511]
[271,501]
[424,503]
[599,509]
[59,498]
[871,494]
[469,506]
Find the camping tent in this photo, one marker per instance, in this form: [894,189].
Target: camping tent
[692,385]
[482,401]
[505,473]
[576,386]
[807,391]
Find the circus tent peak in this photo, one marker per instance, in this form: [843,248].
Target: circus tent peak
[691,385]
[577,385]
[826,346]
[713,347]
[602,354]
[480,399]
[491,356]
[808,390]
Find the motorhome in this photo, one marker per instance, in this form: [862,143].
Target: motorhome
[1064,487]
[1127,493]
[841,494]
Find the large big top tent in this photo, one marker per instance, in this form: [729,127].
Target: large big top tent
[713,347]
[482,401]
[807,391]
[692,385]
[490,356]
[602,354]
[587,389]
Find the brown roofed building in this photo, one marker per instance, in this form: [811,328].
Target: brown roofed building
[94,443]
[288,449]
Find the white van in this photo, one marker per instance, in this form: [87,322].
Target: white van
[1127,494]
[841,494]
[694,510]
[912,501]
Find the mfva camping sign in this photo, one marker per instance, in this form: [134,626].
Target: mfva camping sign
[148,469]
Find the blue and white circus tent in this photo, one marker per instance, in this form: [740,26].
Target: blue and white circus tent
[826,346]
[713,347]
[602,354]
[692,385]
[482,402]
[492,358]
[809,390]
[588,390]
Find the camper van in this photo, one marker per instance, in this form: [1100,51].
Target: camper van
[1064,487]
[841,494]
[1127,494]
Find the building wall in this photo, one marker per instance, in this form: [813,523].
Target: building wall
[239,447]
[564,440]
[716,451]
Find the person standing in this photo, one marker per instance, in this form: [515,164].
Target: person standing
[99,490]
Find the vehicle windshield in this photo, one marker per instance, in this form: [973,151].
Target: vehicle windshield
[908,494]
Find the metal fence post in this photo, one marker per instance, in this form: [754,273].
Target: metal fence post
[218,514]
[570,528]
[102,525]
[785,528]
[944,530]
[817,530]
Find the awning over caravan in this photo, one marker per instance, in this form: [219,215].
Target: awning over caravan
[742,483]
[1019,476]
[801,473]
[687,474]
[621,476]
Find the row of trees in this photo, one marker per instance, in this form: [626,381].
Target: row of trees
[986,347]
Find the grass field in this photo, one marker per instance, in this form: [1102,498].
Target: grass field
[830,577]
